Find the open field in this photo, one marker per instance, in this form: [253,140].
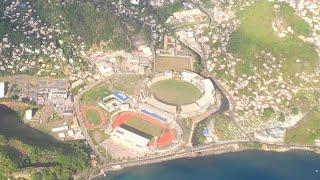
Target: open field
[98,135]
[306,131]
[93,116]
[164,63]
[144,126]
[255,34]
[94,94]
[129,84]
[175,92]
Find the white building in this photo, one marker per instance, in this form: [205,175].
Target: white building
[136,2]
[28,115]
[59,129]
[117,100]
[2,89]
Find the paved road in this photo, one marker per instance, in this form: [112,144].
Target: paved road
[81,120]
[213,148]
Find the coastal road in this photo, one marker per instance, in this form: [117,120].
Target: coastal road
[214,148]
[209,149]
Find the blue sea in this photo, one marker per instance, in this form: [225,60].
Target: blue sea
[248,165]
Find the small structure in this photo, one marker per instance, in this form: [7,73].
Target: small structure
[135,2]
[105,68]
[29,114]
[60,129]
[2,90]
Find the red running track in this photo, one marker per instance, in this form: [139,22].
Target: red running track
[164,139]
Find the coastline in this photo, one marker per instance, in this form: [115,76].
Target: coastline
[244,165]
[200,151]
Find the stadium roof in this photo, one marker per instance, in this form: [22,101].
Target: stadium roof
[120,96]
[130,137]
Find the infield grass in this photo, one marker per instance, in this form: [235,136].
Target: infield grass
[144,126]
[93,116]
[175,92]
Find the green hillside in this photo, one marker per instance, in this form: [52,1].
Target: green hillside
[255,35]
[84,20]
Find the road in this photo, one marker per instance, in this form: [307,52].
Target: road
[81,120]
[209,149]
[214,148]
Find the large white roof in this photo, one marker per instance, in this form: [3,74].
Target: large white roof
[130,137]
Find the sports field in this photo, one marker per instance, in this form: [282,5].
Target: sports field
[144,126]
[93,116]
[164,63]
[175,92]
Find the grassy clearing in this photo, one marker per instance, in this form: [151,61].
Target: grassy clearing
[128,84]
[164,63]
[306,131]
[98,136]
[93,116]
[255,34]
[145,126]
[94,94]
[175,92]
[221,124]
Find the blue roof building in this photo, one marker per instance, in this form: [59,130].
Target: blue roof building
[120,96]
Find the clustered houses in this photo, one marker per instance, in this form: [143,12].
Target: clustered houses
[254,94]
[309,10]
[138,62]
[136,10]
[190,21]
[39,53]
[194,29]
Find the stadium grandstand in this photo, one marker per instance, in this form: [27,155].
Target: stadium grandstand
[157,113]
[130,136]
[163,111]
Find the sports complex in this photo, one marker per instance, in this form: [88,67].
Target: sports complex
[148,121]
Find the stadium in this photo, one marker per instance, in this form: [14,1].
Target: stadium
[170,95]
[148,122]
[141,131]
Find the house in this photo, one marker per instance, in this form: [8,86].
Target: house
[2,90]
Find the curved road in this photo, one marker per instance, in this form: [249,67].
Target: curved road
[81,120]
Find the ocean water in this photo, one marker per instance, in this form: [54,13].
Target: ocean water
[248,165]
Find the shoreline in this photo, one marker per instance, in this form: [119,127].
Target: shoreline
[200,151]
